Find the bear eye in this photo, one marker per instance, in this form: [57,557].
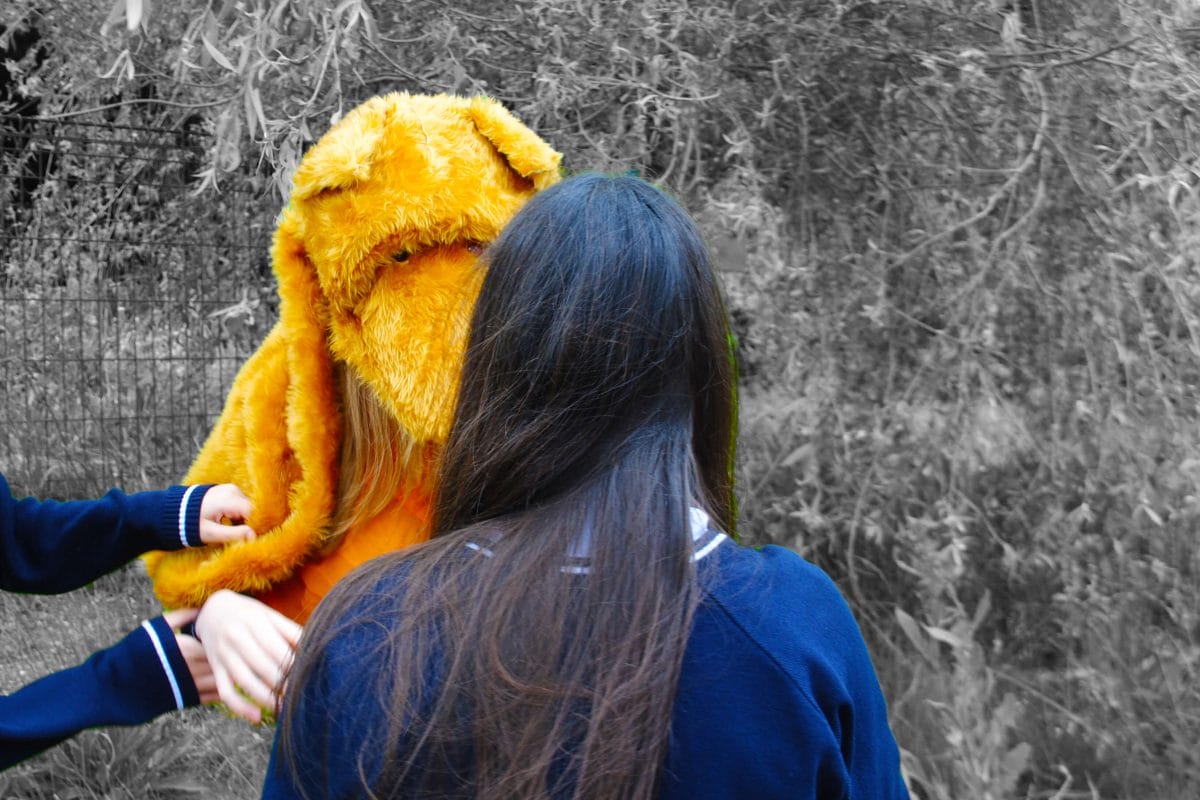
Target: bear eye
[400,256]
[475,247]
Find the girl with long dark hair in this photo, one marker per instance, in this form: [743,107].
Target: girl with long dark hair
[580,626]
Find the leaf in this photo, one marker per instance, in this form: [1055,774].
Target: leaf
[913,631]
[1173,194]
[117,66]
[133,14]
[1014,765]
[226,138]
[802,453]
[256,102]
[216,54]
[182,785]
[370,29]
[943,635]
[1010,30]
[981,610]
[251,118]
[115,12]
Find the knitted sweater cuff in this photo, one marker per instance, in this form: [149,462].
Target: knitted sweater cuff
[179,519]
[175,670]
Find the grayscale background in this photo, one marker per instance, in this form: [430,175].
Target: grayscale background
[959,244]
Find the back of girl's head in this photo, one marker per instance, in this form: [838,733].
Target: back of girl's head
[555,601]
[599,323]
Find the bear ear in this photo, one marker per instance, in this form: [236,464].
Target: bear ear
[526,153]
[343,156]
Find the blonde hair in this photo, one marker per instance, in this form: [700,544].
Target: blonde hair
[378,460]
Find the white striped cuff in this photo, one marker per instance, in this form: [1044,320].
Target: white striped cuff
[166,663]
[183,505]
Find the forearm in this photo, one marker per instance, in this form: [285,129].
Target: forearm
[49,546]
[137,679]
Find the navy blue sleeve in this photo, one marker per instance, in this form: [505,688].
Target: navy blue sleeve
[778,697]
[840,679]
[135,680]
[50,547]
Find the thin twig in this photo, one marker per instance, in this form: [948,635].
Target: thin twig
[130,102]
[1018,172]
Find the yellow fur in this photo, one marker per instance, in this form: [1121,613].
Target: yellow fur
[422,177]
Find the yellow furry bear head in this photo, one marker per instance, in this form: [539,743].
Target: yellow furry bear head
[387,209]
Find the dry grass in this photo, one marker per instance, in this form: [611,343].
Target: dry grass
[198,753]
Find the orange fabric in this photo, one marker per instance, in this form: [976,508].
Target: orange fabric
[402,524]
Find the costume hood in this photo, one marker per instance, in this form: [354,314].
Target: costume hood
[375,257]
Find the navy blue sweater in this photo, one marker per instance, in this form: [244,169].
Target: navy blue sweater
[50,547]
[777,698]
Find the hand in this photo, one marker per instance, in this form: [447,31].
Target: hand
[248,644]
[193,654]
[225,502]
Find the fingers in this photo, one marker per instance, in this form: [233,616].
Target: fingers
[225,503]
[225,500]
[206,687]
[233,699]
[255,660]
[266,658]
[217,533]
[249,645]
[208,693]
[288,629]
[197,663]
[257,679]
[177,618]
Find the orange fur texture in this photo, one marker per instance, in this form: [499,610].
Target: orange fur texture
[376,268]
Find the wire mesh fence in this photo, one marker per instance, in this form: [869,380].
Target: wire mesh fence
[127,301]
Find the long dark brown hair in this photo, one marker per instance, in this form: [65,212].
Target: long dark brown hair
[532,648]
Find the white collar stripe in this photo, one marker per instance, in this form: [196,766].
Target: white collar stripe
[708,548]
[699,521]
